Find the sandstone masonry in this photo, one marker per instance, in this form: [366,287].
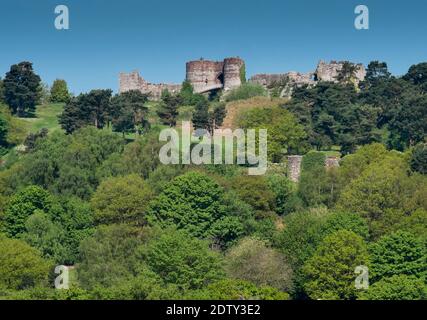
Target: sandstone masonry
[286,82]
[208,75]
[204,75]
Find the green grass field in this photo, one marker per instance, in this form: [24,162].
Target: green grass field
[46,117]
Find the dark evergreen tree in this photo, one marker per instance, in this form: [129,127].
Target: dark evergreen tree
[201,118]
[129,112]
[22,88]
[93,108]
[168,110]
[419,158]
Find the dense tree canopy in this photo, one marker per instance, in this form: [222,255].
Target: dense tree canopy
[21,88]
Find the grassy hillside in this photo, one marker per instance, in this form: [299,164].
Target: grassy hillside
[46,117]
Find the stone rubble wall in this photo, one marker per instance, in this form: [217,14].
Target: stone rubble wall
[294,166]
[133,81]
[288,81]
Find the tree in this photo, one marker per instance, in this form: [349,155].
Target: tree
[347,72]
[24,204]
[21,88]
[129,112]
[92,108]
[59,92]
[329,273]
[417,74]
[252,260]
[230,289]
[48,237]
[409,124]
[182,260]
[255,191]
[217,116]
[192,201]
[383,194]
[168,110]
[376,72]
[108,257]
[187,93]
[121,199]
[201,119]
[284,134]
[285,192]
[418,160]
[398,287]
[21,266]
[346,221]
[1,91]
[4,129]
[396,254]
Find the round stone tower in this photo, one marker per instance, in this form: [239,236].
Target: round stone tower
[232,69]
[204,75]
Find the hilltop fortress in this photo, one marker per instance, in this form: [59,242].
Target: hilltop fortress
[207,76]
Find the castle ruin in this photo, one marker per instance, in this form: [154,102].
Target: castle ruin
[286,82]
[133,81]
[204,76]
[207,76]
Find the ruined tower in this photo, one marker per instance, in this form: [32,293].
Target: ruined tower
[206,75]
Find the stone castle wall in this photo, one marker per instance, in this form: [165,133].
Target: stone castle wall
[133,81]
[294,166]
[206,75]
[330,71]
[288,81]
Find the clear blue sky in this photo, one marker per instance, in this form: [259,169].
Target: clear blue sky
[157,37]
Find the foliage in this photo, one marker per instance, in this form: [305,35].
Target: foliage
[317,185]
[398,253]
[252,260]
[22,88]
[245,91]
[301,235]
[192,197]
[129,112]
[329,273]
[182,260]
[121,199]
[229,289]
[397,287]
[59,92]
[284,134]
[109,256]
[201,119]
[91,108]
[419,159]
[346,221]
[255,191]
[168,110]
[21,266]
[382,192]
[285,192]
[23,205]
